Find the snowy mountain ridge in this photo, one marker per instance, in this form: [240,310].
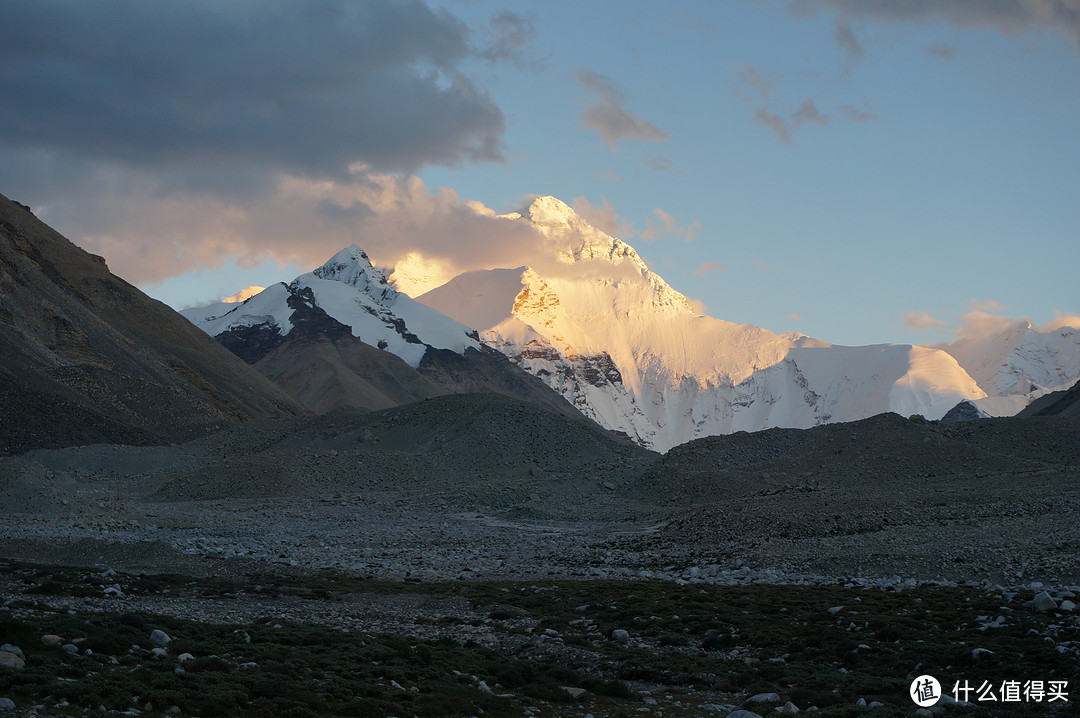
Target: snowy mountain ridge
[589,318]
[352,291]
[1018,358]
[630,351]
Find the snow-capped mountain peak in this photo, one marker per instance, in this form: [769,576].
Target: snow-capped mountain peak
[352,266]
[354,293]
[573,238]
[1015,358]
[594,322]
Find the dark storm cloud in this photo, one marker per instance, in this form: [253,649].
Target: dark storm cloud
[303,87]
[1009,16]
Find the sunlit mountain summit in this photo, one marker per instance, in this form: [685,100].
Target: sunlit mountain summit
[586,316]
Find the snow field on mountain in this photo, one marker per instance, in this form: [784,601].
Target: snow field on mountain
[589,318]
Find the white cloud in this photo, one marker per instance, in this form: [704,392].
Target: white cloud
[976,324]
[709,268]
[923,322]
[606,115]
[604,217]
[146,236]
[668,227]
[1061,320]
[986,305]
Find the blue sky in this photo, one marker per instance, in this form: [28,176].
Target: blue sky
[859,172]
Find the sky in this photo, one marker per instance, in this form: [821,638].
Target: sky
[862,172]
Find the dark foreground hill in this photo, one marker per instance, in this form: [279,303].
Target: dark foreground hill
[86,357]
[996,499]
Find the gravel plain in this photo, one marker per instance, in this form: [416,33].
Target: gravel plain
[471,490]
[485,487]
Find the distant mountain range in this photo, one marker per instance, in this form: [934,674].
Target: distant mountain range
[603,331]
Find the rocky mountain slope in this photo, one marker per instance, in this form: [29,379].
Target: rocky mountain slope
[1064,403]
[341,336]
[85,357]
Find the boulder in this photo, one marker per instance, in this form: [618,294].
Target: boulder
[764,698]
[11,660]
[1043,602]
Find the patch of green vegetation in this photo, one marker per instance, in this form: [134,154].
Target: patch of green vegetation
[284,670]
[690,641]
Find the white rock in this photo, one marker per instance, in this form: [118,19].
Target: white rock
[764,698]
[159,637]
[980,652]
[6,704]
[13,649]
[1067,605]
[52,640]
[620,635]
[788,707]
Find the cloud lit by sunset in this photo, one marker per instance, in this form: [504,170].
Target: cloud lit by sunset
[874,157]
